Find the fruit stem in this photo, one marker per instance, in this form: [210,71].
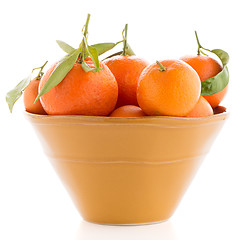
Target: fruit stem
[200,47]
[86,26]
[40,71]
[82,44]
[125,40]
[162,68]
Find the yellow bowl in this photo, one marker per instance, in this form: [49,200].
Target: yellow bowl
[126,170]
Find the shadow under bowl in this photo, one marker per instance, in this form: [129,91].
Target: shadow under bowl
[126,170]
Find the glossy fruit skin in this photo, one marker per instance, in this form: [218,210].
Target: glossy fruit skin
[29,96]
[126,70]
[81,93]
[173,92]
[207,67]
[201,109]
[128,111]
[216,98]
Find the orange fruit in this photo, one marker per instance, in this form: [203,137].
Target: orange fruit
[201,109]
[128,111]
[126,70]
[207,67]
[81,93]
[216,98]
[172,89]
[29,96]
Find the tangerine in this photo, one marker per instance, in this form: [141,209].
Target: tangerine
[128,111]
[207,67]
[169,87]
[201,109]
[81,93]
[29,96]
[126,70]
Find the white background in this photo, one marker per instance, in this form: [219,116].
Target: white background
[33,202]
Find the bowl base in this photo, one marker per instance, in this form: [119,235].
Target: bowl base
[127,224]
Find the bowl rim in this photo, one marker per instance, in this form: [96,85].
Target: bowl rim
[126,120]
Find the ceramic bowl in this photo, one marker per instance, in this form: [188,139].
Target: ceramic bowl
[126,170]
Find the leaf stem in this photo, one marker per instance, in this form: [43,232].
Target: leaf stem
[114,54]
[203,53]
[162,68]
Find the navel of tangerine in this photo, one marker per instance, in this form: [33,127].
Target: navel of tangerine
[169,87]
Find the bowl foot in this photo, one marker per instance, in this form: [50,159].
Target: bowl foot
[127,224]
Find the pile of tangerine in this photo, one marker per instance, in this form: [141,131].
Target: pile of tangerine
[124,85]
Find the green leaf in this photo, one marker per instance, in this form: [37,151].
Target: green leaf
[65,47]
[129,51]
[103,47]
[223,56]
[86,68]
[13,95]
[215,84]
[92,52]
[220,81]
[94,56]
[59,73]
